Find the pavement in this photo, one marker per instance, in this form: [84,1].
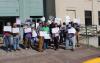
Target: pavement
[80,55]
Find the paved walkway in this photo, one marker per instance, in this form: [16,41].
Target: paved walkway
[49,56]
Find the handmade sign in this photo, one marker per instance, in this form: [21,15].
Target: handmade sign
[34,34]
[27,30]
[37,24]
[15,30]
[55,30]
[58,21]
[43,19]
[47,36]
[42,33]
[7,28]
[18,21]
[67,19]
[72,30]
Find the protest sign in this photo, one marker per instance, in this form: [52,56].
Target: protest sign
[47,36]
[27,30]
[42,33]
[7,28]
[18,21]
[55,30]
[72,30]
[43,19]
[15,30]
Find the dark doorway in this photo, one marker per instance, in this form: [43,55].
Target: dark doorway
[88,18]
[4,20]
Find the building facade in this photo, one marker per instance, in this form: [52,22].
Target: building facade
[87,10]
[11,9]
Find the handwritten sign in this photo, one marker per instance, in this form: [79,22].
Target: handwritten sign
[18,21]
[72,30]
[7,28]
[55,30]
[47,36]
[15,30]
[27,30]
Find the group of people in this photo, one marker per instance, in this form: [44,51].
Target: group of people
[42,35]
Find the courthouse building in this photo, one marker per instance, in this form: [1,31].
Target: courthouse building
[87,10]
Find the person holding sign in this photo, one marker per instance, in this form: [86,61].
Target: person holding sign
[7,37]
[70,37]
[46,35]
[41,37]
[16,37]
[28,36]
[55,33]
[34,36]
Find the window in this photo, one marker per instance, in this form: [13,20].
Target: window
[99,17]
[88,18]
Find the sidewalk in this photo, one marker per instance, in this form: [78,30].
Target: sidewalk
[50,56]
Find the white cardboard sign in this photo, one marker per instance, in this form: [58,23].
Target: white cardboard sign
[42,33]
[55,30]
[7,28]
[27,30]
[72,30]
[18,21]
[47,36]
[15,30]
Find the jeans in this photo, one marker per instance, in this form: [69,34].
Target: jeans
[7,42]
[16,41]
[70,43]
[46,42]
